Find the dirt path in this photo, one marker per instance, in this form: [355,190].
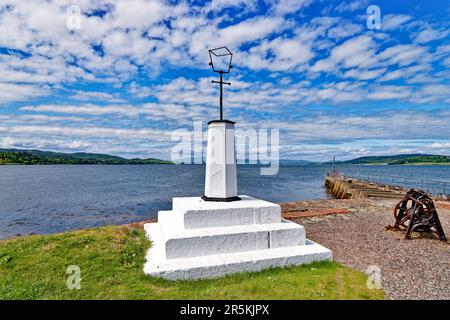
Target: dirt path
[414,269]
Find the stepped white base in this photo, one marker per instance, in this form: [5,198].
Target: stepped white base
[201,239]
[212,266]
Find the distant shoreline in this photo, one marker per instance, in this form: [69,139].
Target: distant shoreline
[402,159]
[242,164]
[38,157]
[403,164]
[85,164]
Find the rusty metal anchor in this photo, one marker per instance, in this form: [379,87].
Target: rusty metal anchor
[416,212]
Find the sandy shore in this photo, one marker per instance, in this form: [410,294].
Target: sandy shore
[355,232]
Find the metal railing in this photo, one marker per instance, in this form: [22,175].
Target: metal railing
[435,187]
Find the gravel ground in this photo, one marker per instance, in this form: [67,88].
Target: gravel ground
[410,269]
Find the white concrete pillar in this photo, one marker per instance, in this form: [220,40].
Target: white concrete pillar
[220,178]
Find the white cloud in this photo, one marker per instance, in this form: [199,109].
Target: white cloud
[357,52]
[217,5]
[404,55]
[98,132]
[141,14]
[95,96]
[278,55]
[290,6]
[440,145]
[432,93]
[270,97]
[389,93]
[37,118]
[394,21]
[344,30]
[351,6]
[138,91]
[20,92]
[430,34]
[364,74]
[87,109]
[405,73]
[250,30]
[446,62]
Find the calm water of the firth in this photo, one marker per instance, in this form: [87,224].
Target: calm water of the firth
[47,199]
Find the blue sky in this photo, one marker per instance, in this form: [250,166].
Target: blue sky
[135,71]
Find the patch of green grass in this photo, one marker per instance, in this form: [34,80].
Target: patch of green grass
[111,262]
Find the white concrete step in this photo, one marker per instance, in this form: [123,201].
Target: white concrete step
[172,218]
[196,213]
[197,242]
[216,265]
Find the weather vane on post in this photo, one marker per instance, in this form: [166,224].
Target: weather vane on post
[220,61]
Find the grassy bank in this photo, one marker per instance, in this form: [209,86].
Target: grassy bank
[111,261]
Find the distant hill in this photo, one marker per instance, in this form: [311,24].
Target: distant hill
[20,156]
[287,162]
[412,159]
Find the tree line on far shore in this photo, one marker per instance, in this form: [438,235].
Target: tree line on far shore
[37,157]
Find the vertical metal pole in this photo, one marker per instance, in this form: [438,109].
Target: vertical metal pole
[221,83]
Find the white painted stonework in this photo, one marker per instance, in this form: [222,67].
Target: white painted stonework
[220,175]
[204,239]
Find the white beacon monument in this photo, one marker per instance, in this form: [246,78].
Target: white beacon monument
[223,232]
[221,175]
